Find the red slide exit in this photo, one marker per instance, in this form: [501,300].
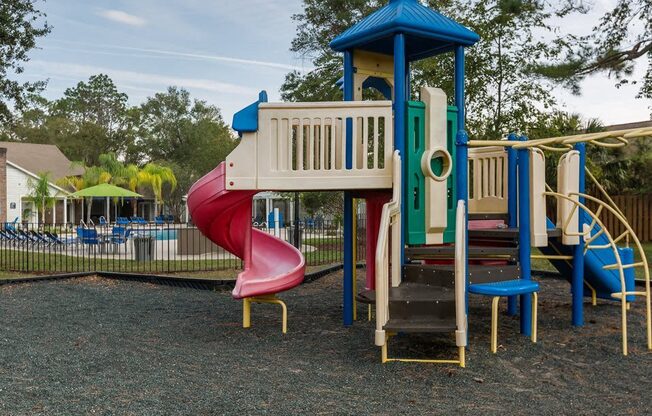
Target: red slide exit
[271,265]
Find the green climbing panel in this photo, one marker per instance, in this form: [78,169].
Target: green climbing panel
[415,184]
[451,131]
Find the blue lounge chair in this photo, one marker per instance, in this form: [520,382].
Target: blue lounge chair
[159,220]
[54,239]
[15,236]
[88,236]
[40,238]
[120,235]
[103,221]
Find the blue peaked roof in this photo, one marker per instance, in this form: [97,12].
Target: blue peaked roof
[427,31]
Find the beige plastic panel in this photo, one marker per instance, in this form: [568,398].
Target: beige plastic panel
[538,219]
[241,169]
[370,64]
[436,136]
[568,182]
[488,180]
[300,146]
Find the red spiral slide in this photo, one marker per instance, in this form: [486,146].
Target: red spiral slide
[271,265]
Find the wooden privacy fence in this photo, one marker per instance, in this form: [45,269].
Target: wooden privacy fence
[637,210]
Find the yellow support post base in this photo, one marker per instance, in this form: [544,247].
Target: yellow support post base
[461,361]
[246,309]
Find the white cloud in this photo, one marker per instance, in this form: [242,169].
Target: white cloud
[188,55]
[140,78]
[122,17]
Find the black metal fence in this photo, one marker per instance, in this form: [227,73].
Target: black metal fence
[151,248]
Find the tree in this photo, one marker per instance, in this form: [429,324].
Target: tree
[92,176]
[156,176]
[94,119]
[21,24]
[40,193]
[559,124]
[316,26]
[502,93]
[188,136]
[622,37]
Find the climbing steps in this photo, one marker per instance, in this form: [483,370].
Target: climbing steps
[424,301]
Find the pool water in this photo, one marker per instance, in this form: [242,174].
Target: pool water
[162,235]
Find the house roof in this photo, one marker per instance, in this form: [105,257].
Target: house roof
[38,158]
[627,126]
[428,32]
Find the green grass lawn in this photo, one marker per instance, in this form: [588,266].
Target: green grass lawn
[50,262]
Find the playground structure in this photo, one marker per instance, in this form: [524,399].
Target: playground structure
[446,216]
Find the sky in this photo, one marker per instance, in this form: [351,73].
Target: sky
[224,52]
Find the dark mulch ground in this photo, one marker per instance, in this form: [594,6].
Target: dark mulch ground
[96,346]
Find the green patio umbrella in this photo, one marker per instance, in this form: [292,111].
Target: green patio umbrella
[105,190]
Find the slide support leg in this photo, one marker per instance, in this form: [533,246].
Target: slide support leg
[246,309]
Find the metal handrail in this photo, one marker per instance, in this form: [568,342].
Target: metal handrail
[621,137]
[622,295]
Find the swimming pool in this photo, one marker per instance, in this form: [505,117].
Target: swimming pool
[161,235]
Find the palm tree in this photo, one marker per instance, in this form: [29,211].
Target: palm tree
[156,176]
[124,175]
[92,176]
[40,193]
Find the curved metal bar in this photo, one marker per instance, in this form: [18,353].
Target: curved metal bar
[641,252]
[614,248]
[602,190]
[621,138]
[556,149]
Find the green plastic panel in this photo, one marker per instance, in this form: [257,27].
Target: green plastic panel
[451,128]
[415,185]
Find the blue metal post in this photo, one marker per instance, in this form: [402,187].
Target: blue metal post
[512,205]
[462,154]
[524,234]
[347,287]
[577,279]
[400,94]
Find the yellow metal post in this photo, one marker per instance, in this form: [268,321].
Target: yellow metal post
[535,297]
[246,313]
[494,324]
[385,359]
[246,309]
